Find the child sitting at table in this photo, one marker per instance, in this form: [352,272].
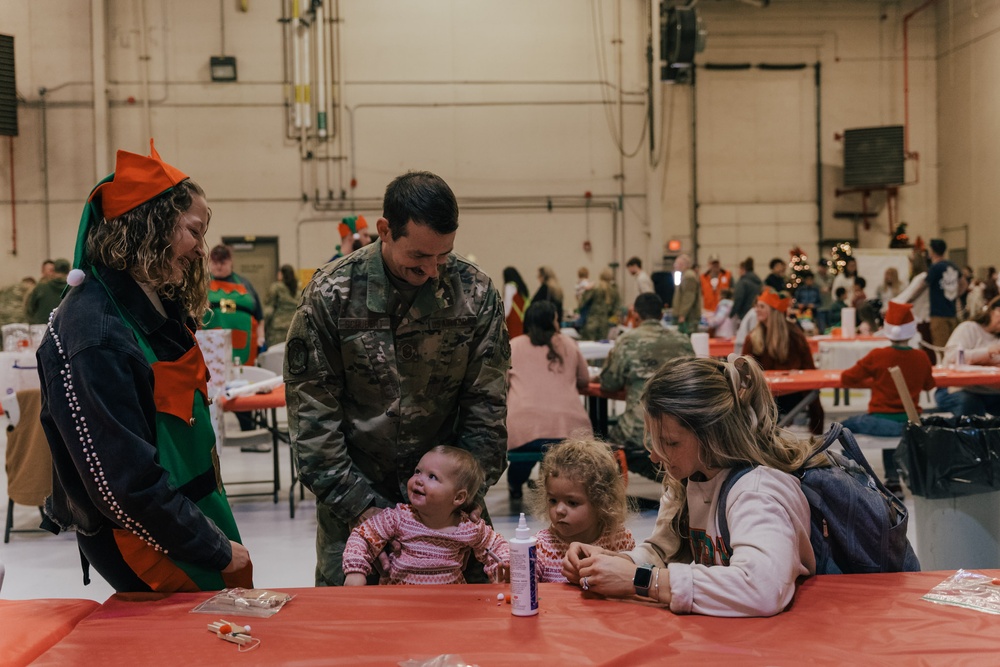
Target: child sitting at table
[434,530]
[705,417]
[886,415]
[583,496]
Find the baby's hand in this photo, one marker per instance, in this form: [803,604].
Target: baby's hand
[355,579]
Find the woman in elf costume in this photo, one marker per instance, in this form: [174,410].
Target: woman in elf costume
[124,402]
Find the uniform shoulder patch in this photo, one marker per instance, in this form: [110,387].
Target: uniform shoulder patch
[297,355]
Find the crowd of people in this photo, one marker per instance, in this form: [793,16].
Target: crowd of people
[407,392]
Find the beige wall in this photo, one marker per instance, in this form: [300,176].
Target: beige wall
[515,103]
[968,72]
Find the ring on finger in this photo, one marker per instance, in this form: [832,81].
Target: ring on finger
[584,585]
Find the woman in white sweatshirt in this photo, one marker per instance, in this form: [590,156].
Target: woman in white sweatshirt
[706,417]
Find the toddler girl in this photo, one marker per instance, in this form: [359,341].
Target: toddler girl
[583,496]
[434,530]
[705,417]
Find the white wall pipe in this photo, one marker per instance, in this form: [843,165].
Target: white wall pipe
[306,81]
[296,65]
[321,55]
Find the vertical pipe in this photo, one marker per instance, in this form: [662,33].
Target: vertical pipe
[906,75]
[147,119]
[296,64]
[819,164]
[694,159]
[98,67]
[621,135]
[13,201]
[45,170]
[321,56]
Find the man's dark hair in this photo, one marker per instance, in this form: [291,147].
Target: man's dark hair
[422,197]
[806,274]
[860,282]
[220,253]
[938,246]
[775,262]
[635,261]
[648,306]
[841,292]
[748,264]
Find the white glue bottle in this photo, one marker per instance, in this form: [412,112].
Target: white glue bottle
[523,577]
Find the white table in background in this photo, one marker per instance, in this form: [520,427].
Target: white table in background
[18,370]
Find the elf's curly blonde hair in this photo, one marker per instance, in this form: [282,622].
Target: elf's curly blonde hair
[139,242]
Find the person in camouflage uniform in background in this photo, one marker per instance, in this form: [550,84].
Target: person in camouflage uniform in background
[600,303]
[395,348]
[12,298]
[633,360]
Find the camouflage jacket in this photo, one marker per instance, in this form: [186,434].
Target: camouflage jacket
[632,361]
[12,303]
[365,402]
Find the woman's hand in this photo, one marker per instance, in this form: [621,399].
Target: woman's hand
[355,579]
[607,574]
[577,552]
[240,559]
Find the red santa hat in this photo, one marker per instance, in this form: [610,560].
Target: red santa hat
[899,322]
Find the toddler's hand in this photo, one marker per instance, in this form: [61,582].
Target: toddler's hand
[502,574]
[355,579]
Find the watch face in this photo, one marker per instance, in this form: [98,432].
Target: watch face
[643,575]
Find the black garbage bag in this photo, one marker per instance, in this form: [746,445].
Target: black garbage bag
[947,457]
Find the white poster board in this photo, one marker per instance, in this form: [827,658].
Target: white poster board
[872,264]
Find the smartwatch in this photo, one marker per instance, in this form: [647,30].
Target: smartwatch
[642,579]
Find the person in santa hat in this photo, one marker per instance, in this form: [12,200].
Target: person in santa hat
[886,415]
[124,391]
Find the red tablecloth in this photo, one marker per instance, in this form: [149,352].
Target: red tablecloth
[28,628]
[835,620]
[272,399]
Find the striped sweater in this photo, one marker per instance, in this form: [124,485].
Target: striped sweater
[551,550]
[428,556]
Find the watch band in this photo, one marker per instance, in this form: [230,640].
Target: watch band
[642,579]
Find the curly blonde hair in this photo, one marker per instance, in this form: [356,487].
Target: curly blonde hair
[138,242]
[590,463]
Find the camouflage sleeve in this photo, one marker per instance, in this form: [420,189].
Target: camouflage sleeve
[314,382]
[482,419]
[614,374]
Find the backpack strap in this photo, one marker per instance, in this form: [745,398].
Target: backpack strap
[734,476]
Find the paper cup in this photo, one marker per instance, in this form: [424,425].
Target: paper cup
[699,341]
[848,322]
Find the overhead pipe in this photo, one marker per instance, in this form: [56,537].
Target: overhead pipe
[13,202]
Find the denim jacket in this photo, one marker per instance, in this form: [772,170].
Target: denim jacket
[113,388]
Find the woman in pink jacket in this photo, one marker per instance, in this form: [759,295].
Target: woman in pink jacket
[543,401]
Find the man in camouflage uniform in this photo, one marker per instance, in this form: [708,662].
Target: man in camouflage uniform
[633,360]
[687,297]
[12,298]
[395,348]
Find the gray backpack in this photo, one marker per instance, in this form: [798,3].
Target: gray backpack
[858,526]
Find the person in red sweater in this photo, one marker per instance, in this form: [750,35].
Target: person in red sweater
[886,415]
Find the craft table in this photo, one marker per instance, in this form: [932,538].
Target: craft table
[834,620]
[18,370]
[28,628]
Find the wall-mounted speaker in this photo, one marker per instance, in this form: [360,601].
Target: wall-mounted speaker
[8,88]
[873,156]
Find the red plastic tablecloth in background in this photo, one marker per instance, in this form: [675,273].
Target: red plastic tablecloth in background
[28,628]
[835,620]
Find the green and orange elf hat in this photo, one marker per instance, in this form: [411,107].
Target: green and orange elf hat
[136,180]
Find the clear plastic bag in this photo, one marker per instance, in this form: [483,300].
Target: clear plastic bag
[256,602]
[445,660]
[971,590]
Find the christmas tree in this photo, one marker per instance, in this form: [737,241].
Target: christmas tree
[798,264]
[839,255]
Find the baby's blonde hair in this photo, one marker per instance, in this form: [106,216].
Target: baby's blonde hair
[468,473]
[591,463]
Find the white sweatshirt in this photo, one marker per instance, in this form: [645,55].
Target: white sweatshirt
[769,526]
